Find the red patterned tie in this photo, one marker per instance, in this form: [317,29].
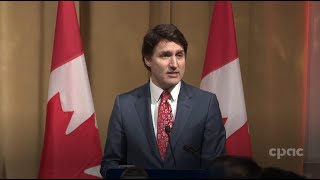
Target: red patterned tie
[164,118]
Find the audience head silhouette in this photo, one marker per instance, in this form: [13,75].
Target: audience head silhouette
[239,167]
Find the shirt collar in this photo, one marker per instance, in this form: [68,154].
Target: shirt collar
[157,91]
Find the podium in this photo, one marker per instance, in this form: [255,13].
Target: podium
[139,173]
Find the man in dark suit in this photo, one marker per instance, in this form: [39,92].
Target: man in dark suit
[137,132]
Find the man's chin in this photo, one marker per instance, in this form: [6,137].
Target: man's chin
[170,84]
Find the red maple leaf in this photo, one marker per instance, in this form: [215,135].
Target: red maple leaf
[68,156]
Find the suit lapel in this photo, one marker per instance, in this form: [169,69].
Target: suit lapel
[143,105]
[184,108]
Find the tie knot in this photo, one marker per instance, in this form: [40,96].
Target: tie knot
[165,95]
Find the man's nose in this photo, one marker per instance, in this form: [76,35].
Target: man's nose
[173,62]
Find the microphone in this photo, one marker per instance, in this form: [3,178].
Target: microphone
[194,152]
[207,162]
[190,149]
[168,131]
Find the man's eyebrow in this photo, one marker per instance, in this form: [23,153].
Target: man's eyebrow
[167,51]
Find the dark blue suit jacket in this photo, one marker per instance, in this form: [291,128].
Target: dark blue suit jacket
[131,139]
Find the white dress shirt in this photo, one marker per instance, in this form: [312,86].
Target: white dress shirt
[155,100]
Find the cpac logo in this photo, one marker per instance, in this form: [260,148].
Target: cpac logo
[279,152]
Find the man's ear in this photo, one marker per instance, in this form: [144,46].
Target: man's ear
[147,61]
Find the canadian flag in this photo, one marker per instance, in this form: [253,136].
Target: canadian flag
[221,75]
[72,146]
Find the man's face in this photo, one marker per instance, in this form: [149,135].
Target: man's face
[167,64]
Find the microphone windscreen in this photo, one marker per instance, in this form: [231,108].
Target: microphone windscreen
[167,129]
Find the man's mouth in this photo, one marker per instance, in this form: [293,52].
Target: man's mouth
[175,72]
[172,74]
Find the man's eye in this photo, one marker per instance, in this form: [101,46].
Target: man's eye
[165,55]
[180,55]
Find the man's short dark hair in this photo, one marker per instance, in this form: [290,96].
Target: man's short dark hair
[167,32]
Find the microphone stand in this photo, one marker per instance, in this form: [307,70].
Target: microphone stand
[168,131]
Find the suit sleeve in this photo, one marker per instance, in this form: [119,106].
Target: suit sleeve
[115,147]
[214,138]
